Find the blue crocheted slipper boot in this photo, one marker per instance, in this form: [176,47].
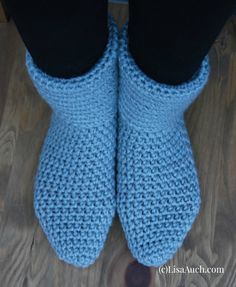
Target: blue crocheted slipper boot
[75,187]
[158,190]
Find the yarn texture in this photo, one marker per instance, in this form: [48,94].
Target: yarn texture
[158,191]
[75,183]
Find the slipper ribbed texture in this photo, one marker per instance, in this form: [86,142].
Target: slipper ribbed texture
[158,190]
[74,189]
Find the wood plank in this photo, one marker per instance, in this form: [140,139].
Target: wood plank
[26,258]
[3,13]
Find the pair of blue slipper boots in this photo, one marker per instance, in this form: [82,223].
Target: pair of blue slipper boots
[157,195]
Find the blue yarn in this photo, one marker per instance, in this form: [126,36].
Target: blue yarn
[158,189]
[75,186]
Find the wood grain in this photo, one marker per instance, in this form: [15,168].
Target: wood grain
[26,258]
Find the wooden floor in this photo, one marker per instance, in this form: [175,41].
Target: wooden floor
[26,259]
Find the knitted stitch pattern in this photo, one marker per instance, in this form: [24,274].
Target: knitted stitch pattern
[74,188]
[158,190]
